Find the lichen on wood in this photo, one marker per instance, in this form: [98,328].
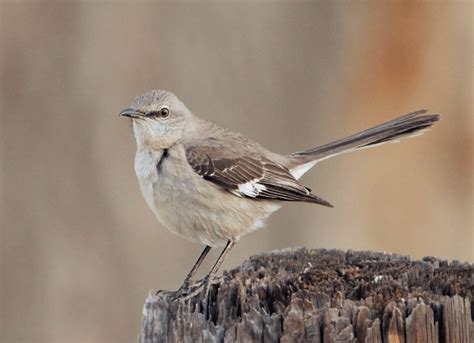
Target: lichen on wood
[301,295]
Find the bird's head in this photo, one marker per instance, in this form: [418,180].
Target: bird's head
[159,118]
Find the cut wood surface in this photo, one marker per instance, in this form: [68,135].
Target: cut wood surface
[302,295]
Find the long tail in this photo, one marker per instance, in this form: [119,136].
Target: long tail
[409,125]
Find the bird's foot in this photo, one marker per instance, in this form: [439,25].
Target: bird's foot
[167,294]
[195,289]
[186,291]
[183,290]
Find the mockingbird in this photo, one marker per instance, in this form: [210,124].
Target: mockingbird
[211,185]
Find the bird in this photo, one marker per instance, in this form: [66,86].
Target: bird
[212,186]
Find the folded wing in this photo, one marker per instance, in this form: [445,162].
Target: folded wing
[251,175]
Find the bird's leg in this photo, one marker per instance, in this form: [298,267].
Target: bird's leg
[220,259]
[206,282]
[209,277]
[185,286]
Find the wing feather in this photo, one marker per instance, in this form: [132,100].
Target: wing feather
[251,176]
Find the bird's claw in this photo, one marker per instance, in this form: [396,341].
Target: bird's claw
[186,291]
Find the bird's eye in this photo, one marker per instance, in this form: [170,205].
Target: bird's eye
[164,113]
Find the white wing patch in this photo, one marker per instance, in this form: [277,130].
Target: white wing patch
[252,188]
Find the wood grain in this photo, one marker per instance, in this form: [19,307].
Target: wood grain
[301,295]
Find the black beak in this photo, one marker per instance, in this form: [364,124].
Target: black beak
[131,113]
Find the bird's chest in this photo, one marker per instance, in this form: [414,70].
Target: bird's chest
[162,179]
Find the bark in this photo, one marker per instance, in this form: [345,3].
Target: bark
[300,295]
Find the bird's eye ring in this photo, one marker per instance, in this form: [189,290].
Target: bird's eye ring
[164,112]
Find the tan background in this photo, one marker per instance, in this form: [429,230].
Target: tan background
[79,247]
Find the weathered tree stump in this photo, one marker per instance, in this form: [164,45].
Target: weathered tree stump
[300,295]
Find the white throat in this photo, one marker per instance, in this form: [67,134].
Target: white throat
[148,140]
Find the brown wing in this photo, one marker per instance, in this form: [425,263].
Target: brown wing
[250,176]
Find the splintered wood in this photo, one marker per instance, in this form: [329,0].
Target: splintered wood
[300,295]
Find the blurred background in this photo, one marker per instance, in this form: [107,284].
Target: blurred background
[80,249]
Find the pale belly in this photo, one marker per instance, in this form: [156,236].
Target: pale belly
[193,207]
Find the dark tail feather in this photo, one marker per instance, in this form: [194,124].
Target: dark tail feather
[408,125]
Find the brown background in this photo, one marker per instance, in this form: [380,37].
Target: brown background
[79,247]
